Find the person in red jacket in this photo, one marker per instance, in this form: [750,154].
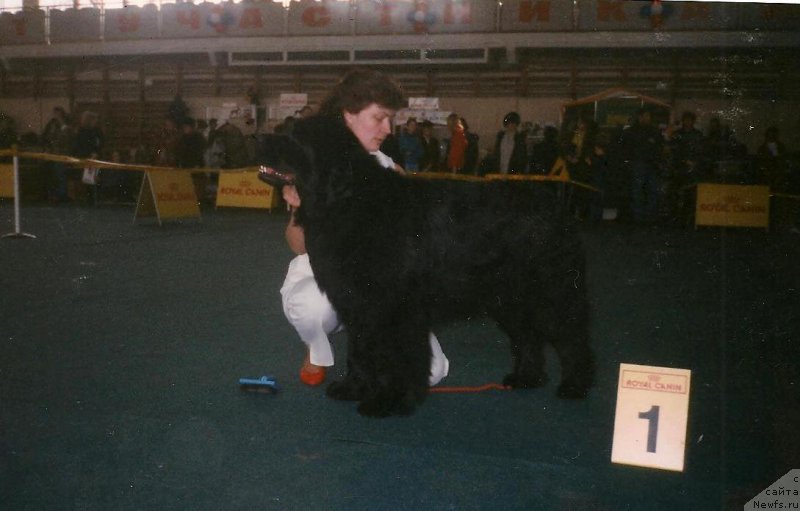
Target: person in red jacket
[457,146]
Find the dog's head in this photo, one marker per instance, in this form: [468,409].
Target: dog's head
[318,158]
[279,157]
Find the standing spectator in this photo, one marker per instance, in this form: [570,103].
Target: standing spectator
[545,153]
[8,132]
[305,112]
[509,147]
[234,148]
[285,127]
[61,143]
[770,157]
[391,148]
[686,155]
[429,161]
[166,154]
[456,145]
[472,152]
[586,163]
[642,145]
[190,147]
[89,139]
[214,150]
[117,184]
[580,149]
[177,111]
[191,154]
[53,128]
[410,144]
[686,148]
[209,128]
[88,143]
[721,145]
[772,147]
[55,171]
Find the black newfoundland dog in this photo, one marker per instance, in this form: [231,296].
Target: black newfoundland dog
[396,255]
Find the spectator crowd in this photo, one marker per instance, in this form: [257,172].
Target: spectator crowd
[645,171]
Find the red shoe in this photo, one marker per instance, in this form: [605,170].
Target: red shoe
[312,379]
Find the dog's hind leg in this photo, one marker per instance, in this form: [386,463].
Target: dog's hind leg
[575,357]
[526,348]
[570,338]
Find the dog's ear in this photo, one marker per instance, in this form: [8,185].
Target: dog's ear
[330,148]
[282,153]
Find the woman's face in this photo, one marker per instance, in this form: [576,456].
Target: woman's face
[371,125]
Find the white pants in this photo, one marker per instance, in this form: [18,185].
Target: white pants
[312,315]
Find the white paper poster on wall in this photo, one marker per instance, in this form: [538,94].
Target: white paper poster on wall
[423,103]
[241,116]
[435,116]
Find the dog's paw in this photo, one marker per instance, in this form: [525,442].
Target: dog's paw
[518,381]
[344,390]
[385,406]
[569,390]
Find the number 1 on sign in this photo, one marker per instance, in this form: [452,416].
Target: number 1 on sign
[652,429]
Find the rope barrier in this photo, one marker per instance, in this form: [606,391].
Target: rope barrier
[785,196]
[100,164]
[468,390]
[16,154]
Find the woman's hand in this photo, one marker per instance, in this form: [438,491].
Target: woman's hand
[291,196]
[295,237]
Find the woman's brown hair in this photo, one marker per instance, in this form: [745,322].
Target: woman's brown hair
[360,88]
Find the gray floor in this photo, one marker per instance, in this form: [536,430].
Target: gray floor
[121,345]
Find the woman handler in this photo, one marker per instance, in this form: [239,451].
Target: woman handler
[365,101]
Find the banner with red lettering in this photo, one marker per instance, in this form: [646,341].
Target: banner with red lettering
[536,15]
[631,15]
[24,27]
[328,17]
[167,195]
[732,205]
[189,20]
[245,190]
[380,17]
[429,16]
[262,18]
[132,22]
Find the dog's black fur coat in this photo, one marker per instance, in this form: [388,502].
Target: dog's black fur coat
[396,255]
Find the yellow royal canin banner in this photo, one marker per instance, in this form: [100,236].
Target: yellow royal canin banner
[732,205]
[167,195]
[7,181]
[245,190]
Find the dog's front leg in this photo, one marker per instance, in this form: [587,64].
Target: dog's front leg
[354,384]
[397,367]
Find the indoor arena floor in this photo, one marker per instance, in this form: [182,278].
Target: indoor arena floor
[122,343]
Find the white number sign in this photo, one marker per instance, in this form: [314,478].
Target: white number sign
[651,418]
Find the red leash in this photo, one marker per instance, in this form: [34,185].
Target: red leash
[481,388]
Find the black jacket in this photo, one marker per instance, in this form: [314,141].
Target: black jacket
[518,164]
